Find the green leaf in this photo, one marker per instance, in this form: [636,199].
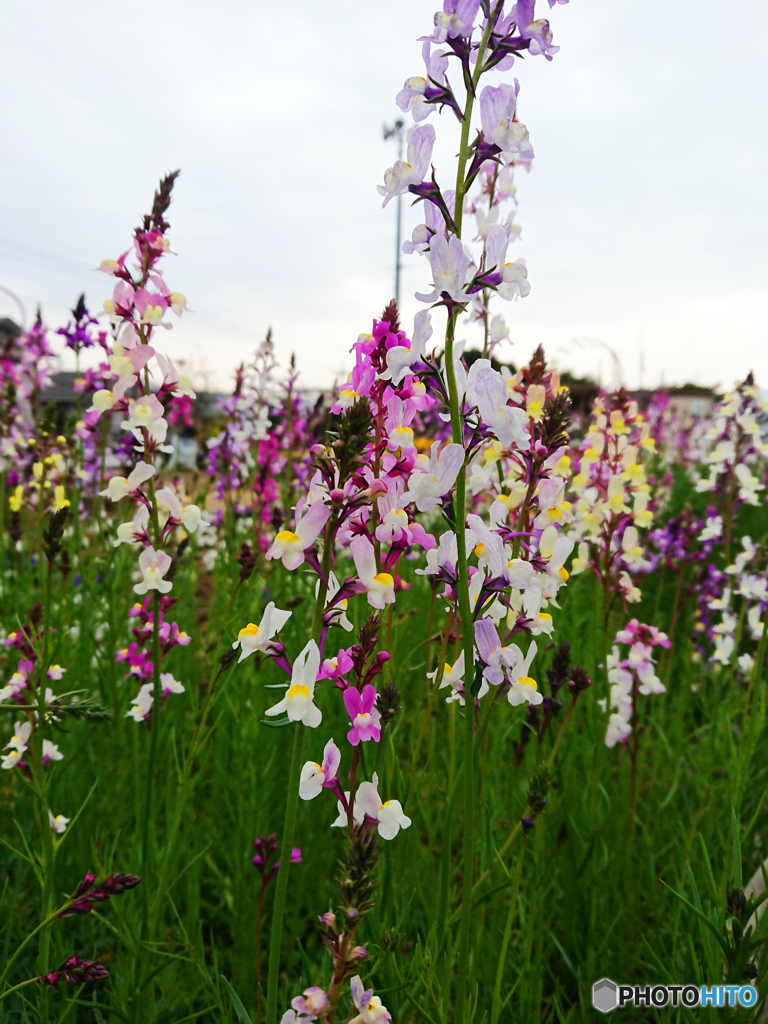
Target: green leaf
[736,867]
[657,962]
[240,1010]
[558,1011]
[708,875]
[703,917]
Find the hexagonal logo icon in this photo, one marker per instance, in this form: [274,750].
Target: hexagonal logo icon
[605,995]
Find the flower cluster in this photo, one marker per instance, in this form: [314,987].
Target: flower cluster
[162,519]
[613,495]
[741,605]
[737,457]
[88,892]
[22,690]
[630,677]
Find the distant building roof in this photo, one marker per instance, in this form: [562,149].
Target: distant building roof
[61,389]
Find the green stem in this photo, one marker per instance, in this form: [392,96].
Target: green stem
[157,693]
[496,1004]
[41,788]
[281,889]
[20,949]
[465,611]
[467,629]
[292,801]
[22,984]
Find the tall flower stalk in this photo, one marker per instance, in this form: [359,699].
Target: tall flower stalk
[501,141]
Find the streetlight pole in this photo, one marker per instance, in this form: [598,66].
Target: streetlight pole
[396,132]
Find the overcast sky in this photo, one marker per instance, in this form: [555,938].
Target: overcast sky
[644,217]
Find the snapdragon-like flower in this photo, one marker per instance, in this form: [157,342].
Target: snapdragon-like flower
[298,702]
[450,269]
[631,677]
[497,116]
[372,1011]
[18,680]
[143,701]
[379,586]
[254,637]
[399,415]
[453,676]
[413,170]
[487,389]
[305,1008]
[335,610]
[58,824]
[119,487]
[366,719]
[147,413]
[504,663]
[188,515]
[316,777]
[51,752]
[400,358]
[387,815]
[154,565]
[290,546]
[18,744]
[131,533]
[433,478]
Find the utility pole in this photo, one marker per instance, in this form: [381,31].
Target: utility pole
[396,132]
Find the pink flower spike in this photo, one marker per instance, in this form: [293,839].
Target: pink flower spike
[365,717]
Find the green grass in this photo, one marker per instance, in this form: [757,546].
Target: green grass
[594,896]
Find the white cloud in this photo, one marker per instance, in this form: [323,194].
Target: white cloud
[643,219]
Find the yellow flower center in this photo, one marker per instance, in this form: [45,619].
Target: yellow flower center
[564,574]
[250,630]
[447,669]
[535,410]
[545,615]
[554,513]
[288,537]
[479,548]
[298,690]
[385,578]
[527,681]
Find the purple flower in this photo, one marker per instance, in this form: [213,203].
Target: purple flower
[537,32]
[365,718]
[115,885]
[450,266]
[313,1001]
[76,972]
[497,116]
[413,170]
[457,19]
